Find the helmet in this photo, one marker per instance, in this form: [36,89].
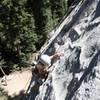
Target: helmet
[34,63]
[45,59]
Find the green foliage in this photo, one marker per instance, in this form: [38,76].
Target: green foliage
[46,14]
[53,11]
[2,92]
[17,28]
[58,8]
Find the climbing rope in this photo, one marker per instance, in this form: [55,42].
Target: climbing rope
[4,80]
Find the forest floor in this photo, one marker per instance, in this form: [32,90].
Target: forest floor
[17,82]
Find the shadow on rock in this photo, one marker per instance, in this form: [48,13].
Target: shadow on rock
[74,85]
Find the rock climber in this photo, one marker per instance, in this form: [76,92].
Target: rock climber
[43,64]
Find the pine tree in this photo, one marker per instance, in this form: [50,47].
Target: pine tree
[16,29]
[58,8]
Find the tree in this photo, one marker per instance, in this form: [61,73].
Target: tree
[58,8]
[16,29]
[46,14]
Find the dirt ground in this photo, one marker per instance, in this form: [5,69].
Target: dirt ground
[17,82]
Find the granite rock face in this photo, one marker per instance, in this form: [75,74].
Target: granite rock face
[76,75]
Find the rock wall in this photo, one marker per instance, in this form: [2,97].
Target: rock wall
[76,75]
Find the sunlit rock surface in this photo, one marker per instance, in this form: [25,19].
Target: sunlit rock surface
[76,75]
